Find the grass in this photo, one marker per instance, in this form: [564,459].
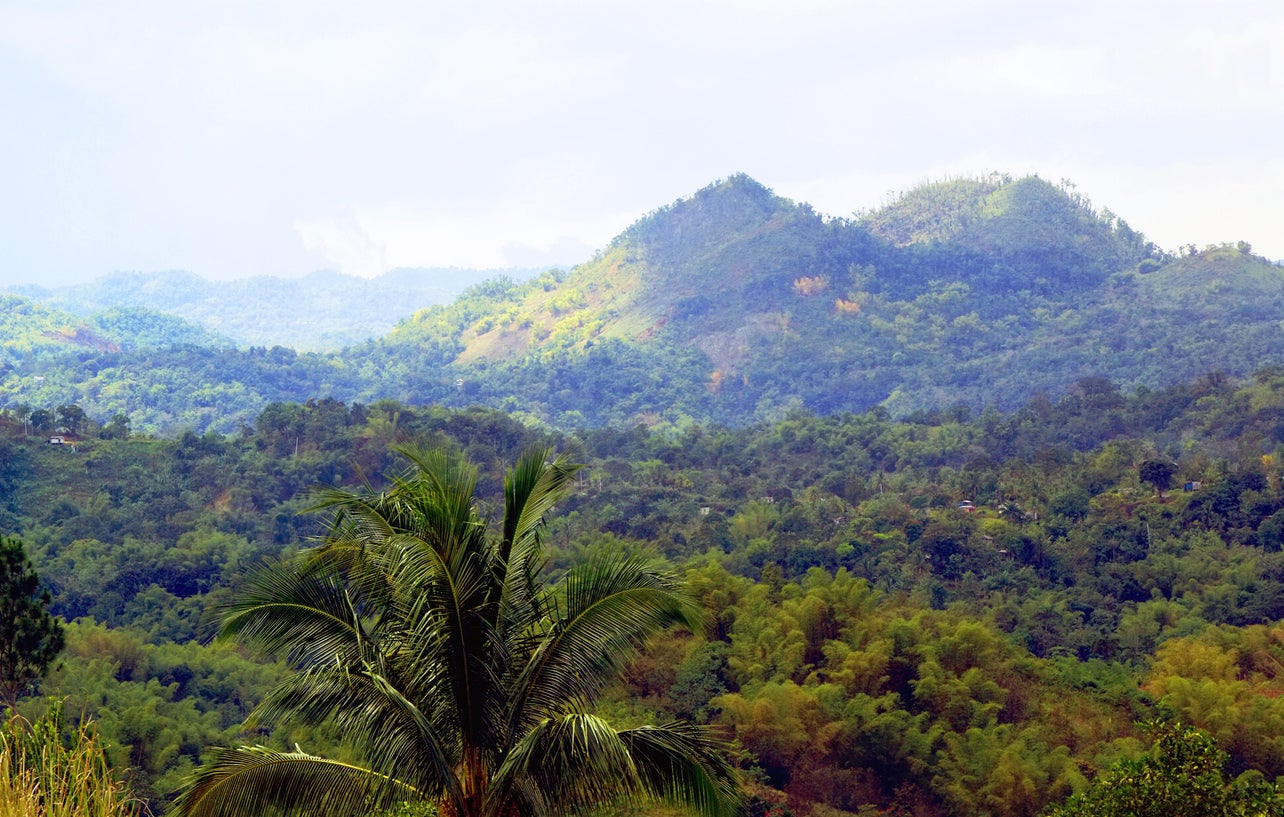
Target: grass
[41,775]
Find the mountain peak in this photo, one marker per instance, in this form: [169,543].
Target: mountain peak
[935,211]
[727,205]
[1013,232]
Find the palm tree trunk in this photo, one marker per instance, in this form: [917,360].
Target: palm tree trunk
[475,780]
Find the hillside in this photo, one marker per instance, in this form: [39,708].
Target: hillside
[157,371]
[734,256]
[30,328]
[736,306]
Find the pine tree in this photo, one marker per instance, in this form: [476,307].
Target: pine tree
[30,638]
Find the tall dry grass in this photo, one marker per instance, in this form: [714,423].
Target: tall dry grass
[41,775]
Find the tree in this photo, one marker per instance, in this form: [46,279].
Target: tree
[1181,776]
[22,412]
[117,428]
[459,676]
[41,421]
[1158,473]
[72,418]
[30,638]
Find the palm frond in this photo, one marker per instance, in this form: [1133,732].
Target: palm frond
[353,514]
[396,736]
[432,501]
[609,573]
[564,764]
[531,488]
[252,780]
[359,530]
[445,633]
[301,616]
[454,575]
[438,615]
[578,761]
[438,495]
[612,604]
[684,763]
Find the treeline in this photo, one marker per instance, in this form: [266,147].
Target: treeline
[949,613]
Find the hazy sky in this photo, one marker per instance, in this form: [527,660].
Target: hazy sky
[275,138]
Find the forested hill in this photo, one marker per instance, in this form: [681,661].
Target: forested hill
[30,329]
[738,305]
[735,306]
[740,273]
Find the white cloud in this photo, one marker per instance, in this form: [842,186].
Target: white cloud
[482,240]
[344,246]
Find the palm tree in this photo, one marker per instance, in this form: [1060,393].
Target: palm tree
[461,679]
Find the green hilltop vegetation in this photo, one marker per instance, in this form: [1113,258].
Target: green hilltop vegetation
[951,613]
[734,306]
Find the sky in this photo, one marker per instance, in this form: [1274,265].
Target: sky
[235,139]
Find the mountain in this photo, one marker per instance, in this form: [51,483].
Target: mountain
[736,256]
[739,305]
[322,311]
[736,306]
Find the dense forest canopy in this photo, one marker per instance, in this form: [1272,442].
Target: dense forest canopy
[949,613]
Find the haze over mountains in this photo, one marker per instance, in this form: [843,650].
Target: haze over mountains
[324,311]
[730,306]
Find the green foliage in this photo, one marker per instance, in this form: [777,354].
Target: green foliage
[939,211]
[1158,473]
[852,698]
[157,706]
[1182,776]
[134,327]
[326,310]
[985,313]
[715,309]
[30,638]
[1068,603]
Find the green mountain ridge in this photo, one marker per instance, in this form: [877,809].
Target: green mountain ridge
[30,325]
[736,256]
[1019,287]
[737,306]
